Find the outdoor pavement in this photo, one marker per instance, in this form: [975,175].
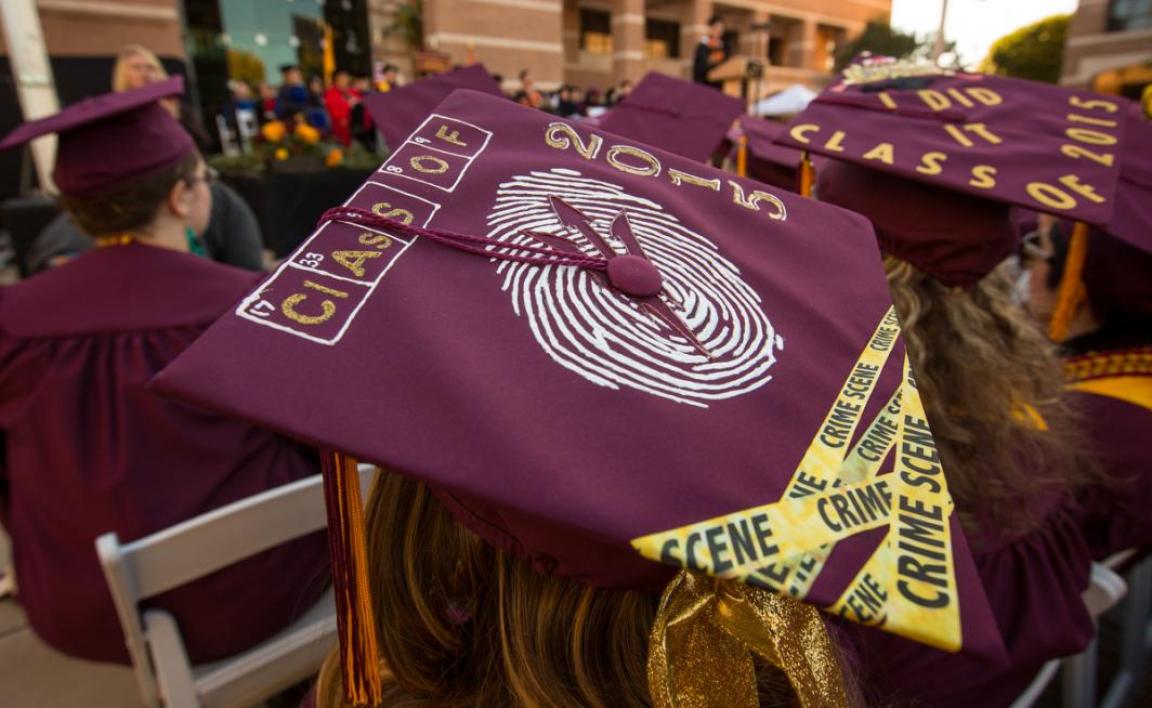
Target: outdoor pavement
[32,675]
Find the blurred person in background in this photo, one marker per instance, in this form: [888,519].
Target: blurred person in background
[711,51]
[87,448]
[528,95]
[340,99]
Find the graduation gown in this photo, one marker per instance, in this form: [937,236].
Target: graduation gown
[1034,583]
[1110,378]
[88,448]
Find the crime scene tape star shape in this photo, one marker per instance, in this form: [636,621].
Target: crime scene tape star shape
[703,338]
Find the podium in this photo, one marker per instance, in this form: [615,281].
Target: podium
[735,75]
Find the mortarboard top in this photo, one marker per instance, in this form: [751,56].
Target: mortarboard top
[111,138]
[970,145]
[1034,145]
[396,113]
[713,399]
[766,161]
[682,117]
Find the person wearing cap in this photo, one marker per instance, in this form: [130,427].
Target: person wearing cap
[233,234]
[1107,343]
[1009,438]
[88,449]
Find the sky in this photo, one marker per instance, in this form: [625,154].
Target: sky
[974,24]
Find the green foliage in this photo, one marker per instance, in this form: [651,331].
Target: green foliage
[408,22]
[245,66]
[1034,51]
[878,38]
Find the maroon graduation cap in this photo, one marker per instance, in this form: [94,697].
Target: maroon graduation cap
[616,363]
[760,157]
[112,138]
[682,117]
[396,113]
[936,160]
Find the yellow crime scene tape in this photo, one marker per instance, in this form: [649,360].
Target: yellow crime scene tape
[835,493]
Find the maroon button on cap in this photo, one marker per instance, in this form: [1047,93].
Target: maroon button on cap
[635,276]
[112,138]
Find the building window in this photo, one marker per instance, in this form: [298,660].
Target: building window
[662,39]
[1125,15]
[596,31]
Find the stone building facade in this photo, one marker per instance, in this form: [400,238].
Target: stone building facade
[1109,47]
[594,43]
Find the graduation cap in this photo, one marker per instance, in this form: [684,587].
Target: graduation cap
[624,367]
[937,159]
[111,138]
[398,112]
[682,117]
[759,157]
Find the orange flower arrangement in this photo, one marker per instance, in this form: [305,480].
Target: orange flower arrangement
[334,157]
[273,131]
[307,133]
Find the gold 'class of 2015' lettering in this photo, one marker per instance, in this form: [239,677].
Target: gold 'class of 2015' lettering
[299,307]
[1088,142]
[638,162]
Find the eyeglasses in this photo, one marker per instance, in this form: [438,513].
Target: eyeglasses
[210,175]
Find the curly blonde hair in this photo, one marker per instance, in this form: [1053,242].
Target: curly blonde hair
[994,394]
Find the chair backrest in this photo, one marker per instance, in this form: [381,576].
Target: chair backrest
[202,545]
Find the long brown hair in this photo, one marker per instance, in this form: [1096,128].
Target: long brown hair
[993,391]
[463,624]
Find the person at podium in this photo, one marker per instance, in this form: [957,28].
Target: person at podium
[712,51]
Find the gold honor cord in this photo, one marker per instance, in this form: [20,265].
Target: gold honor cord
[707,631]
[908,586]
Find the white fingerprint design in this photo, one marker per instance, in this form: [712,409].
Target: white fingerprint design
[609,338]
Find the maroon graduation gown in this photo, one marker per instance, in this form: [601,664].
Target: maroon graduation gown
[1034,583]
[88,448]
[1112,389]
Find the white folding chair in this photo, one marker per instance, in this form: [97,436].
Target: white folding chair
[1105,590]
[192,549]
[1136,632]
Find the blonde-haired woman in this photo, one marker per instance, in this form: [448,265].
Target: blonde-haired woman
[993,391]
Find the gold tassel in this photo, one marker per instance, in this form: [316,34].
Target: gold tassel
[700,652]
[1071,293]
[355,617]
[742,156]
[807,174]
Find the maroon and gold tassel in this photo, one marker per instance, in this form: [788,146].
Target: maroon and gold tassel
[1072,291]
[807,174]
[355,617]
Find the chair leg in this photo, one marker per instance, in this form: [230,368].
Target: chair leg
[1136,642]
[1079,679]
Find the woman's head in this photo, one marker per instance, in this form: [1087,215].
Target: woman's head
[150,205]
[462,624]
[136,66]
[993,390]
